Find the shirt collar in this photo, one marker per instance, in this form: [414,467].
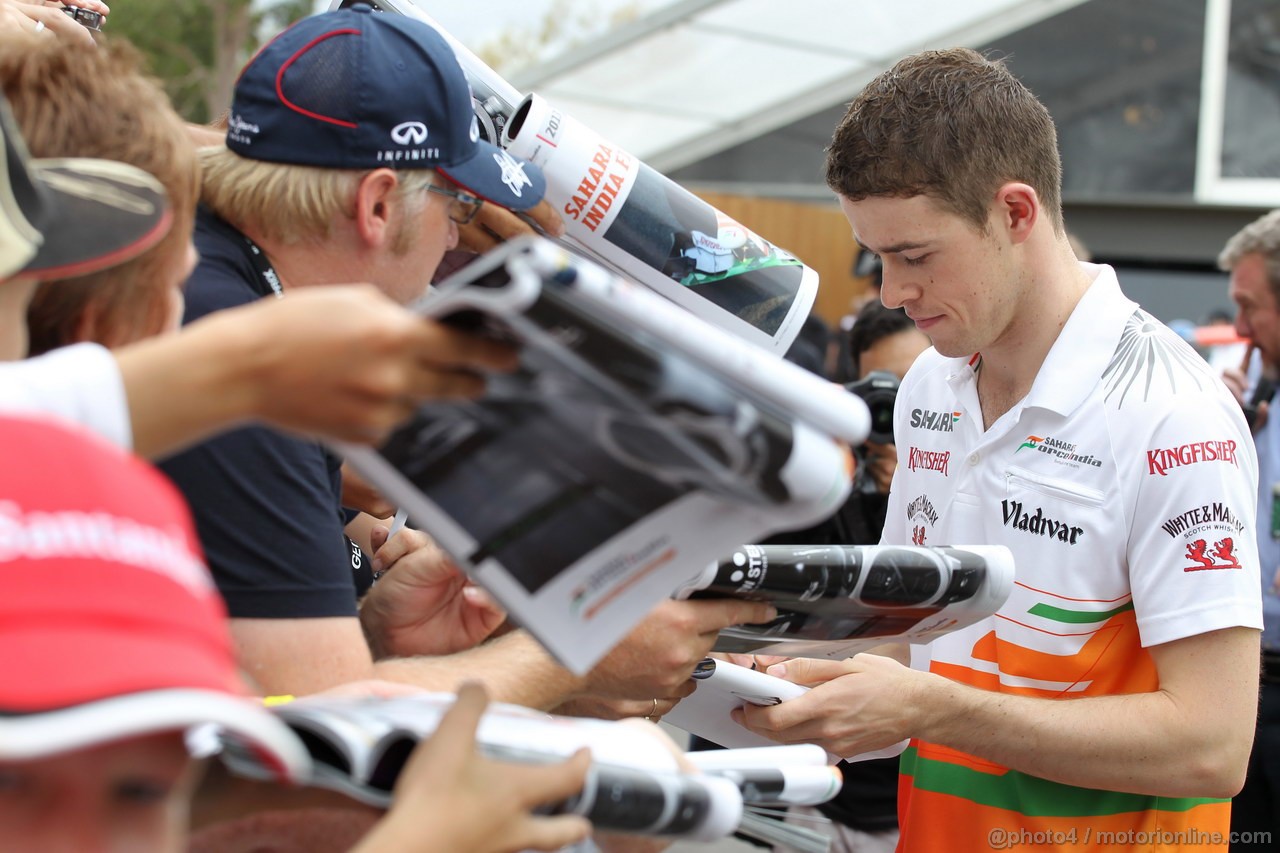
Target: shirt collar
[1085,346]
[1077,359]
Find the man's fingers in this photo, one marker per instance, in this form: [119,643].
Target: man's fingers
[502,223]
[474,237]
[546,218]
[545,784]
[58,23]
[714,614]
[554,833]
[793,721]
[443,755]
[437,384]
[378,538]
[453,348]
[809,671]
[404,542]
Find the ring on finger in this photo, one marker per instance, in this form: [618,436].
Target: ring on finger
[652,716]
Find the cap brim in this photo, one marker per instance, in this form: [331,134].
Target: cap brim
[496,176]
[27,737]
[101,213]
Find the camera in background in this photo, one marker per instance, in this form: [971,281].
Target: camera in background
[878,389]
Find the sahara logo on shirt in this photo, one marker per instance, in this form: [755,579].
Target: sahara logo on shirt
[921,515]
[1038,523]
[929,460]
[1062,451]
[936,421]
[1160,461]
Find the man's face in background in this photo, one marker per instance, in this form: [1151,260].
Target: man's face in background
[1258,315]
[130,795]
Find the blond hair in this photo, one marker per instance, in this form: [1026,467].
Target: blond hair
[290,203]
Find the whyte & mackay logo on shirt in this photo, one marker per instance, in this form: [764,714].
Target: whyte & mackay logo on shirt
[922,515]
[1160,461]
[1039,524]
[1201,525]
[1064,451]
[936,421]
[929,460]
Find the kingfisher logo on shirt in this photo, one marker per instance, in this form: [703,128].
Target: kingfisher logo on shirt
[929,460]
[1039,524]
[935,421]
[1062,451]
[1160,461]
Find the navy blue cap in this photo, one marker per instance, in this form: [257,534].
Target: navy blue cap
[352,89]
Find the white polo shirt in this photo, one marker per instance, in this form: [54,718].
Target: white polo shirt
[1125,484]
[80,384]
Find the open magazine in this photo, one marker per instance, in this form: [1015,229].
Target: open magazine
[359,746]
[634,444]
[834,601]
[722,687]
[634,220]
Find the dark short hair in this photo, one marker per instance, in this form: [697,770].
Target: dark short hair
[948,124]
[874,323]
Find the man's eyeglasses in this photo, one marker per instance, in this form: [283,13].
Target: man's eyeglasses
[463,207]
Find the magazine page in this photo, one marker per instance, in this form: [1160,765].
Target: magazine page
[596,479]
[721,687]
[634,785]
[636,221]
[649,228]
[837,600]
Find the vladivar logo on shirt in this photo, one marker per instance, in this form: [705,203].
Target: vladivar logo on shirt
[1209,532]
[935,421]
[929,460]
[1161,460]
[1062,451]
[1039,524]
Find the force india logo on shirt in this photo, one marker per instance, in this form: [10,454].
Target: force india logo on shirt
[935,421]
[1160,461]
[1064,451]
[929,460]
[1202,529]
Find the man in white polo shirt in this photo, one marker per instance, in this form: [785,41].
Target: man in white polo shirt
[1059,419]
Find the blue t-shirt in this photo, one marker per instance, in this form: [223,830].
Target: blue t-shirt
[267,505]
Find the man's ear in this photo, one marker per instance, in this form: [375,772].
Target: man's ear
[1018,209]
[376,203]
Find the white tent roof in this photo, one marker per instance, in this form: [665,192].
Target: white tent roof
[699,76]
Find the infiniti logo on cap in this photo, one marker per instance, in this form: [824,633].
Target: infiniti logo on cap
[409,133]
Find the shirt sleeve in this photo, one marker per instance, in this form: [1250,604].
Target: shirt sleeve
[1192,551]
[80,384]
[268,516]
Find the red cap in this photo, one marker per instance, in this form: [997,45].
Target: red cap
[110,625]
